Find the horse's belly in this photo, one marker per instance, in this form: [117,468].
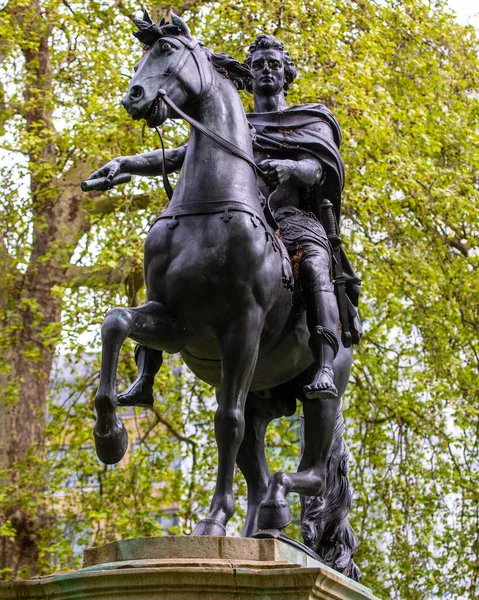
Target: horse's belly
[276,364]
[285,360]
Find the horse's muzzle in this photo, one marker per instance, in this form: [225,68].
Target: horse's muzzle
[154,112]
[135,102]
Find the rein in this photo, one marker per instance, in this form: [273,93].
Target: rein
[222,142]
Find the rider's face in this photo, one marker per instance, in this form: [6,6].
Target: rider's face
[268,70]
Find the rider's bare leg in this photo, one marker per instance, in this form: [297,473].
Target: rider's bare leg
[239,345]
[150,323]
[323,321]
[140,392]
[251,460]
[310,480]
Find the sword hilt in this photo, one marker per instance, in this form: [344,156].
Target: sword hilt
[330,225]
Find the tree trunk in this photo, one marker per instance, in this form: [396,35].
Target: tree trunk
[32,303]
[29,305]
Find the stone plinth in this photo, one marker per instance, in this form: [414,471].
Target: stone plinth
[192,568]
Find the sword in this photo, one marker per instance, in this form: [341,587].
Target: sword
[330,225]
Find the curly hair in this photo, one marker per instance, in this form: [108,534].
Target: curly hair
[265,42]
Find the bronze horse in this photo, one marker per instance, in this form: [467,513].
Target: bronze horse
[215,278]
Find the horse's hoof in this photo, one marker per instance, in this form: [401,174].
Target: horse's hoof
[140,393]
[111,444]
[313,393]
[210,527]
[273,514]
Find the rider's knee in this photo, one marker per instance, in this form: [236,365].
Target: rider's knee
[315,271]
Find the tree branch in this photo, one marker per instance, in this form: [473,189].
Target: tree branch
[105,205]
[456,243]
[178,435]
[78,276]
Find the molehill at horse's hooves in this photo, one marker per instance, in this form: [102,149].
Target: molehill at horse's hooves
[246,278]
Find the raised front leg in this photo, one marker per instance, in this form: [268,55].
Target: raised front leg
[239,351]
[151,325]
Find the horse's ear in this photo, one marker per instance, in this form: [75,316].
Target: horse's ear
[182,26]
[146,17]
[148,31]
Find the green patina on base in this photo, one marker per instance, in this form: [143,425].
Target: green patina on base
[192,568]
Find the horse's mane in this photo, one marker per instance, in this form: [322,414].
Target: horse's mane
[150,32]
[231,68]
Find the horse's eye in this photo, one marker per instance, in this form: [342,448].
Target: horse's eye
[165,47]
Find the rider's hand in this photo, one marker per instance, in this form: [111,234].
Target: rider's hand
[277,171]
[110,170]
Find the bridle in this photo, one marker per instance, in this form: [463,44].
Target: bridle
[162,94]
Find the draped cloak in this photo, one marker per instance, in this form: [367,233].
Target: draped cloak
[312,129]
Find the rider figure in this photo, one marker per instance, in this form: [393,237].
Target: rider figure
[293,172]
[297,149]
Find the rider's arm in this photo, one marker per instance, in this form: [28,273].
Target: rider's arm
[307,171]
[150,163]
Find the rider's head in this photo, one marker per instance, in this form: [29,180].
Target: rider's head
[272,68]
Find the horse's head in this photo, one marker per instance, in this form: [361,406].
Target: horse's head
[177,63]
[165,64]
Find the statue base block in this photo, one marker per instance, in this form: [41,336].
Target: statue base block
[192,568]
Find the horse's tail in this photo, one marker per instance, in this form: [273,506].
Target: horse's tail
[324,520]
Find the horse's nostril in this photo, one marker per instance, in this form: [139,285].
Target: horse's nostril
[136,92]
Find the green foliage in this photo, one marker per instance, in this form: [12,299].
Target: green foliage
[402,78]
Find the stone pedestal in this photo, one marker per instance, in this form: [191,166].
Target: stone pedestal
[192,568]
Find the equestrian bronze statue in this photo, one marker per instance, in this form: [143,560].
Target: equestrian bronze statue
[245,277]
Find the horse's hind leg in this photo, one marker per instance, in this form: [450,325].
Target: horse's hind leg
[251,460]
[148,324]
[310,480]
